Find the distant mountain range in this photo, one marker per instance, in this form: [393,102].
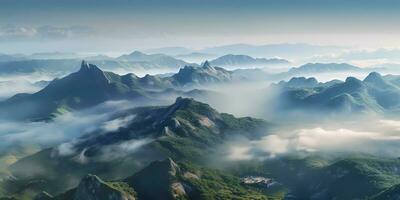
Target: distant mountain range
[158,59]
[60,66]
[231,60]
[374,94]
[273,50]
[323,68]
[172,51]
[302,82]
[283,50]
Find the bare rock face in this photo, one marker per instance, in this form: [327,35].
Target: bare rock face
[93,188]
[160,181]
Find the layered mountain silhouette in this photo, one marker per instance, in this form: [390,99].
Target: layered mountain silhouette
[376,93]
[316,68]
[90,86]
[159,59]
[244,60]
[323,67]
[48,65]
[302,82]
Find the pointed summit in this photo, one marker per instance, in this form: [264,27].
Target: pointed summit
[206,65]
[84,65]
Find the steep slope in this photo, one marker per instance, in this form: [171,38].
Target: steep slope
[390,193]
[190,75]
[91,86]
[92,187]
[164,180]
[87,87]
[373,94]
[185,130]
[167,185]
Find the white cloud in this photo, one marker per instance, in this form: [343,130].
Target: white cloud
[63,128]
[385,142]
[44,32]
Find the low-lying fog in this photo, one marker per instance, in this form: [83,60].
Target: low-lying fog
[377,136]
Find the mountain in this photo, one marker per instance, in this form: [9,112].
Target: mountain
[45,67]
[159,59]
[185,131]
[207,74]
[302,83]
[7,58]
[87,87]
[91,86]
[92,187]
[375,94]
[53,56]
[321,70]
[187,181]
[390,193]
[62,67]
[196,57]
[172,51]
[291,51]
[311,68]
[164,180]
[244,60]
[168,185]
[323,177]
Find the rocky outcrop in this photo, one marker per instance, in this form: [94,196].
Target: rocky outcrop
[93,188]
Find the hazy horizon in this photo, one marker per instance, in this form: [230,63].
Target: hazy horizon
[29,26]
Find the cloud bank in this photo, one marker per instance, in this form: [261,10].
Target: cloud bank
[382,140]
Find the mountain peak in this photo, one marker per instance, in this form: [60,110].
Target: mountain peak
[373,77]
[180,101]
[86,67]
[206,65]
[92,187]
[351,79]
[137,53]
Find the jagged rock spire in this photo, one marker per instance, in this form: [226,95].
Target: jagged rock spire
[206,64]
[84,65]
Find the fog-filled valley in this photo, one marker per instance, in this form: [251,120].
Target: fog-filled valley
[260,128]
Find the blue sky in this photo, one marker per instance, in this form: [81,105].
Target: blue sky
[98,25]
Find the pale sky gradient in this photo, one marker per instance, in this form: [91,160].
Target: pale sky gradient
[123,25]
